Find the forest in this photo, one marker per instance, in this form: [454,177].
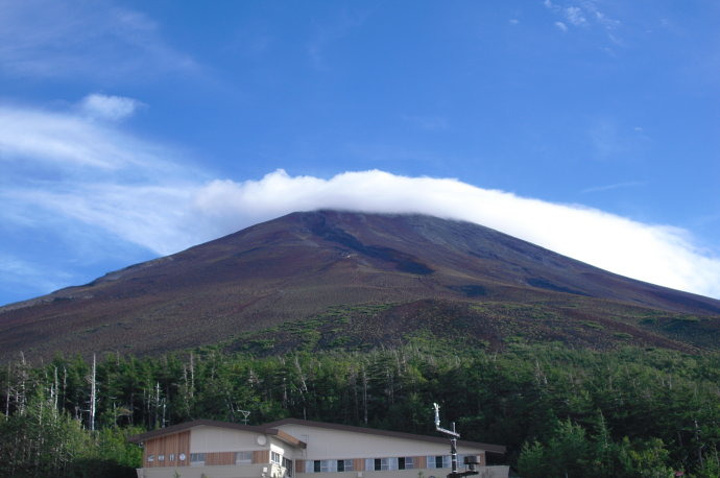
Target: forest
[631,412]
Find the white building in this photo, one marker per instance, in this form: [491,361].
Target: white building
[302,449]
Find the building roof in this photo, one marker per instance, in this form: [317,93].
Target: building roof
[388,433]
[274,430]
[181,427]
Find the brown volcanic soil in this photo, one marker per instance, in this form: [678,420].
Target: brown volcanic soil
[305,264]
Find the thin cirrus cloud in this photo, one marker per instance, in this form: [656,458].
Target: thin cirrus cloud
[47,39]
[74,142]
[112,108]
[130,190]
[17,272]
[610,187]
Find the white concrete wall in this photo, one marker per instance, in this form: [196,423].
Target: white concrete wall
[209,440]
[256,471]
[230,471]
[483,472]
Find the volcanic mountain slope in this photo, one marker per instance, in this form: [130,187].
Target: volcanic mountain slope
[371,277]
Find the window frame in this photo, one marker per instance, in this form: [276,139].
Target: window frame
[197,459]
[243,457]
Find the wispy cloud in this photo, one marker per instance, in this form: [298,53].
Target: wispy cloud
[611,187]
[70,141]
[64,173]
[583,14]
[130,190]
[328,32]
[48,39]
[112,108]
[611,139]
[17,272]
[574,15]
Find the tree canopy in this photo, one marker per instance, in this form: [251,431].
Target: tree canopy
[560,412]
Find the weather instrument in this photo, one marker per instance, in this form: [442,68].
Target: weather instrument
[470,462]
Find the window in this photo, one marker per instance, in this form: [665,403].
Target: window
[289,467]
[197,459]
[439,461]
[320,466]
[373,464]
[381,464]
[405,463]
[171,457]
[275,458]
[243,457]
[151,458]
[345,465]
[161,457]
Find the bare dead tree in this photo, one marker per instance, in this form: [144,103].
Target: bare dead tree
[93,394]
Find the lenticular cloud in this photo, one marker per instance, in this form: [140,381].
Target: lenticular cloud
[655,253]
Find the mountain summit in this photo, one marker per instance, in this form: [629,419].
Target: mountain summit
[304,265]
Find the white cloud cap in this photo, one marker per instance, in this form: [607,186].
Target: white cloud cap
[654,253]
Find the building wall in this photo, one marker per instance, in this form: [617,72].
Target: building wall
[256,471]
[220,471]
[219,446]
[483,472]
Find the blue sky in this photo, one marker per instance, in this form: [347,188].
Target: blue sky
[134,129]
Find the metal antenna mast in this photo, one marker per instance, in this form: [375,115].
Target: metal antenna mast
[246,414]
[453,436]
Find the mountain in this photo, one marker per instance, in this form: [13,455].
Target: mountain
[328,278]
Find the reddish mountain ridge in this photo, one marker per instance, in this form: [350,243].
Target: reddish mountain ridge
[300,266]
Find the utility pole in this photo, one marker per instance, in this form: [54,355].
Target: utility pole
[453,436]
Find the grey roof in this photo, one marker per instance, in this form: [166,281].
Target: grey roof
[181,427]
[389,433]
[273,429]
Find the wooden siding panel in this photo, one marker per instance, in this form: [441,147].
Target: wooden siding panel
[184,448]
[261,456]
[220,458]
[170,446]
